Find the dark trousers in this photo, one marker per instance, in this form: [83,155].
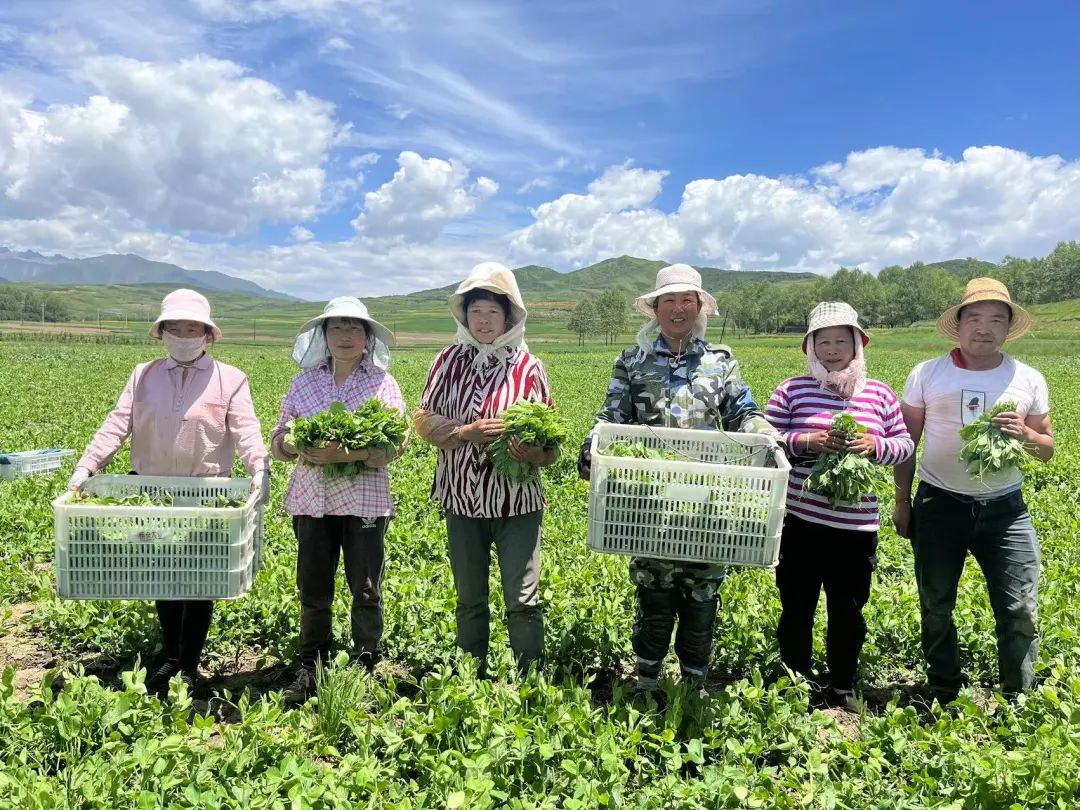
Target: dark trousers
[668,591]
[321,543]
[184,627]
[813,556]
[999,535]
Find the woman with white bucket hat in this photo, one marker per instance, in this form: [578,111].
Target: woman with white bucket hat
[187,415]
[674,378]
[485,371]
[343,354]
[824,545]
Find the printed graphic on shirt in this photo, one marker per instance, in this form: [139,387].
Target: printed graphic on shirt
[972,405]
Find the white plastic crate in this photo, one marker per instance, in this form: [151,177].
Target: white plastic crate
[724,504]
[185,551]
[31,462]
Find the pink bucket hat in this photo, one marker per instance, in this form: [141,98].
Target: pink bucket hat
[184,305]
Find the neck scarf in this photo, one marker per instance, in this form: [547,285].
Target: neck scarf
[500,350]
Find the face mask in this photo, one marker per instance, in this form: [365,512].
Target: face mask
[184,350]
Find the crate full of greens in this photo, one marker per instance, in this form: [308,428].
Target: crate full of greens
[156,537]
[690,495]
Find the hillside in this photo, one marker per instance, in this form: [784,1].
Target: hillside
[112,268]
[546,286]
[966,267]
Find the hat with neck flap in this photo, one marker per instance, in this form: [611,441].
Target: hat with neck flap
[499,279]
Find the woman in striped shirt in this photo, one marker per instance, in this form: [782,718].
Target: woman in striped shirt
[470,383]
[824,545]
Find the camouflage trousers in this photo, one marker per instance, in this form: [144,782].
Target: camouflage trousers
[668,591]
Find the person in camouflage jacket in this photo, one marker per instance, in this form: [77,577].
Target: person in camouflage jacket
[674,378]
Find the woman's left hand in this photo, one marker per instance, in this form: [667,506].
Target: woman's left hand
[527,453]
[862,444]
[332,453]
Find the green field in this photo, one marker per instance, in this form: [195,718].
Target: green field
[423,732]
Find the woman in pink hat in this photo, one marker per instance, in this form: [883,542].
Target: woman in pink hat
[187,415]
[824,545]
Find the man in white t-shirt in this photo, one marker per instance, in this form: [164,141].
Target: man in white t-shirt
[955,512]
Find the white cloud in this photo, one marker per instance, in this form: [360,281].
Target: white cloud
[301,234]
[337,44]
[366,159]
[423,196]
[383,12]
[195,145]
[535,183]
[580,227]
[878,207]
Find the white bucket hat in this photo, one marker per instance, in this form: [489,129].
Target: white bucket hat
[493,277]
[675,278]
[310,349]
[833,313]
[184,305]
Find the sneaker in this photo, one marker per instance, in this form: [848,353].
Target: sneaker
[843,699]
[159,680]
[302,687]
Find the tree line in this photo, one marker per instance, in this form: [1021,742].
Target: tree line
[900,296]
[895,296]
[18,303]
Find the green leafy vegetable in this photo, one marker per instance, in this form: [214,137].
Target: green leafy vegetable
[140,499]
[532,423]
[626,449]
[987,449]
[372,426]
[844,477]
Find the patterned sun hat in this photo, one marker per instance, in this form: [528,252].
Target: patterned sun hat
[833,313]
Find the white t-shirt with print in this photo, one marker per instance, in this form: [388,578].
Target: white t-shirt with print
[953,397]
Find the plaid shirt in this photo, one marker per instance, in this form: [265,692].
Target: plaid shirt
[310,492]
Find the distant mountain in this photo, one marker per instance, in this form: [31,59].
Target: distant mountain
[634,275]
[966,267]
[113,268]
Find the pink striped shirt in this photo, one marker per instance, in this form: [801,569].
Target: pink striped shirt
[465,480]
[310,492]
[799,406]
[191,426]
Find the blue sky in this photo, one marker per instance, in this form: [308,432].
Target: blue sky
[377,146]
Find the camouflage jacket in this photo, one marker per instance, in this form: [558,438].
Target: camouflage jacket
[702,389]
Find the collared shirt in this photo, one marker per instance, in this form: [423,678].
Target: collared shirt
[799,406]
[310,492]
[701,387]
[182,425]
[466,483]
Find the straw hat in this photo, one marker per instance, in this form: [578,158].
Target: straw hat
[184,305]
[833,313]
[493,277]
[675,278]
[985,289]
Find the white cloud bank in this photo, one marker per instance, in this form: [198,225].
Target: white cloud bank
[877,207]
[195,145]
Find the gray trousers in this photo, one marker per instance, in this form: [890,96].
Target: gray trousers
[321,543]
[517,543]
[999,535]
